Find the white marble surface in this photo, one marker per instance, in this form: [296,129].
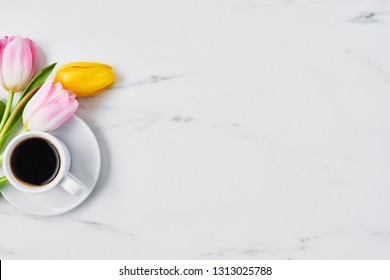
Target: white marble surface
[252,129]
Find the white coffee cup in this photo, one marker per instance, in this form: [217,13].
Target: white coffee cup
[62,178]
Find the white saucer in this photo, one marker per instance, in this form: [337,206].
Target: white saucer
[84,149]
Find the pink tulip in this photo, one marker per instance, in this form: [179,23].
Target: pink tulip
[18,58]
[50,107]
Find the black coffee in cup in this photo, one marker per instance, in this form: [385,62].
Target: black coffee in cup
[35,162]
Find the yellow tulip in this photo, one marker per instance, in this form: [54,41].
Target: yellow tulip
[85,78]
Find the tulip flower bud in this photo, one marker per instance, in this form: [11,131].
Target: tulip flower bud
[50,107]
[85,78]
[18,58]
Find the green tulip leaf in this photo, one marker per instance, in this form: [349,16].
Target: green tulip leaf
[2,108]
[38,80]
[3,180]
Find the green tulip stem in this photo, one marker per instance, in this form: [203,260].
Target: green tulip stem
[7,109]
[14,113]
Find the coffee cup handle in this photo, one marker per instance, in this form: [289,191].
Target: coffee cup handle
[72,184]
